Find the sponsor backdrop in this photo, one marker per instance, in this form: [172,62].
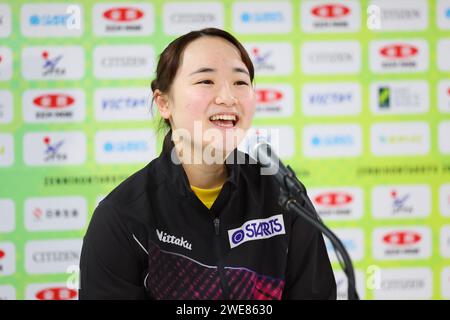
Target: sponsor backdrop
[354,95]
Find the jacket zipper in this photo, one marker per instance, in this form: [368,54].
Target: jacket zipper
[217,226]
[220,267]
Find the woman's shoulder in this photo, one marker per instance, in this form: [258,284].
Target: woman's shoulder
[130,199]
[135,186]
[127,206]
[130,189]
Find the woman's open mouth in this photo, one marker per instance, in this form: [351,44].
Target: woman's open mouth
[224,120]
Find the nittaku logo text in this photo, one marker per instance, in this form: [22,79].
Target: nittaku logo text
[167,238]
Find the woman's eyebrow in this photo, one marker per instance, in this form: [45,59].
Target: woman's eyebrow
[241,70]
[203,69]
[207,69]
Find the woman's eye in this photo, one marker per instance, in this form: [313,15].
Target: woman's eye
[205,82]
[241,83]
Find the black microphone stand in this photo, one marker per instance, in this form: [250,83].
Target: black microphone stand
[294,199]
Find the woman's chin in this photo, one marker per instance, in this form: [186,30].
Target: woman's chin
[216,153]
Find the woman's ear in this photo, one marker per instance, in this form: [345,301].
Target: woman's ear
[162,103]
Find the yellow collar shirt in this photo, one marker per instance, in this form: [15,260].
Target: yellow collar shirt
[207,196]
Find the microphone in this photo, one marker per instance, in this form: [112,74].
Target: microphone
[263,153]
[293,198]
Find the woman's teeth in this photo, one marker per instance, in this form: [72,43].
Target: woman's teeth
[224,120]
[223,117]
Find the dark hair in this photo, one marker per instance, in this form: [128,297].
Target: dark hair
[170,58]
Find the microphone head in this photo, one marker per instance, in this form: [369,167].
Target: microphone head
[252,138]
[256,145]
[262,152]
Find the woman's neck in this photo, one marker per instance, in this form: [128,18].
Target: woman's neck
[201,173]
[205,176]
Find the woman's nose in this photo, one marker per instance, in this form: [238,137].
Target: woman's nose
[226,97]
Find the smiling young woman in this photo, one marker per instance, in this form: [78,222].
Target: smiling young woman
[186,227]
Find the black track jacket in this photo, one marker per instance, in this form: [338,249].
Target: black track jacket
[152,238]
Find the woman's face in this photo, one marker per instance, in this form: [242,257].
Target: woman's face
[211,97]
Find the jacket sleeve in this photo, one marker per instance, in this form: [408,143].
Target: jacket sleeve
[309,274]
[109,266]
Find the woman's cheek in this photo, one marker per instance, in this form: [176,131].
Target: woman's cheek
[249,105]
[197,101]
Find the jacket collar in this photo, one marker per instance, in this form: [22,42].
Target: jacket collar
[177,177]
